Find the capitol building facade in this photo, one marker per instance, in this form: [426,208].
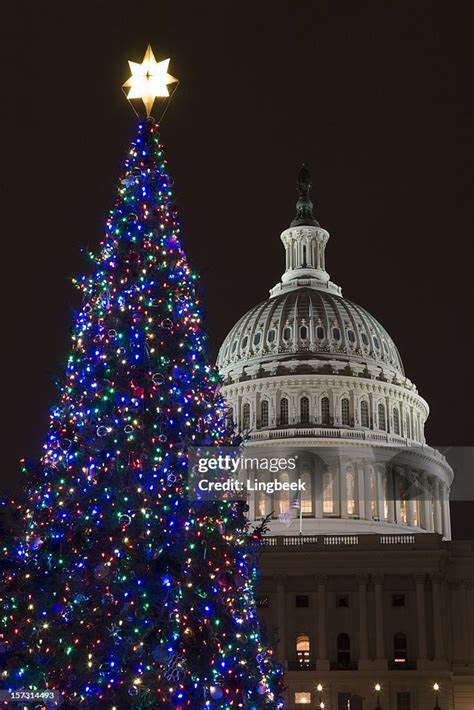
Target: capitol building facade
[360,579]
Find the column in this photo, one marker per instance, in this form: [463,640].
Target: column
[380,493]
[411,499]
[379,629]
[437,508]
[420,615]
[390,500]
[343,489]
[363,640]
[446,511]
[322,651]
[438,620]
[396,495]
[281,618]
[427,513]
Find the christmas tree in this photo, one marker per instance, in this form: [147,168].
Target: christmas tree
[121,592]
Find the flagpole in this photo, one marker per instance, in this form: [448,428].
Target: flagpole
[301,514]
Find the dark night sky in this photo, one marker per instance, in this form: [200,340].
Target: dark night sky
[374,95]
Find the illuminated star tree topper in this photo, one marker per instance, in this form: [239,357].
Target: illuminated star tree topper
[149,80]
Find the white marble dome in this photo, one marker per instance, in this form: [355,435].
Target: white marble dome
[308,373]
[310,324]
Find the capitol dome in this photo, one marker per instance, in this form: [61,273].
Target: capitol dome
[310,324]
[308,373]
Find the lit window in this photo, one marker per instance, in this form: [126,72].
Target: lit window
[328,493]
[302,698]
[284,496]
[345,412]
[373,497]
[400,649]
[283,411]
[306,495]
[381,414]
[325,411]
[246,417]
[350,491]
[364,414]
[303,650]
[304,410]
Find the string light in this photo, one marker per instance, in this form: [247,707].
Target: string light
[120,592]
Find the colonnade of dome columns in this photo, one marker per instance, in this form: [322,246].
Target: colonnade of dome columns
[361,490]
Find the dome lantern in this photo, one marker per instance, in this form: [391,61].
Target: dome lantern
[305,243]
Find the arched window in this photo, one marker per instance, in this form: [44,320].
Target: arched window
[364,414]
[350,491]
[287,333]
[320,332]
[396,421]
[284,495]
[345,412]
[256,338]
[264,413]
[304,255]
[283,411]
[245,342]
[381,415]
[303,332]
[408,426]
[328,493]
[400,649]
[344,650]
[246,417]
[271,335]
[351,336]
[325,411]
[336,333]
[306,494]
[303,650]
[304,410]
[230,418]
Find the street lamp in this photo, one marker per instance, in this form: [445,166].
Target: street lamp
[378,688]
[436,690]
